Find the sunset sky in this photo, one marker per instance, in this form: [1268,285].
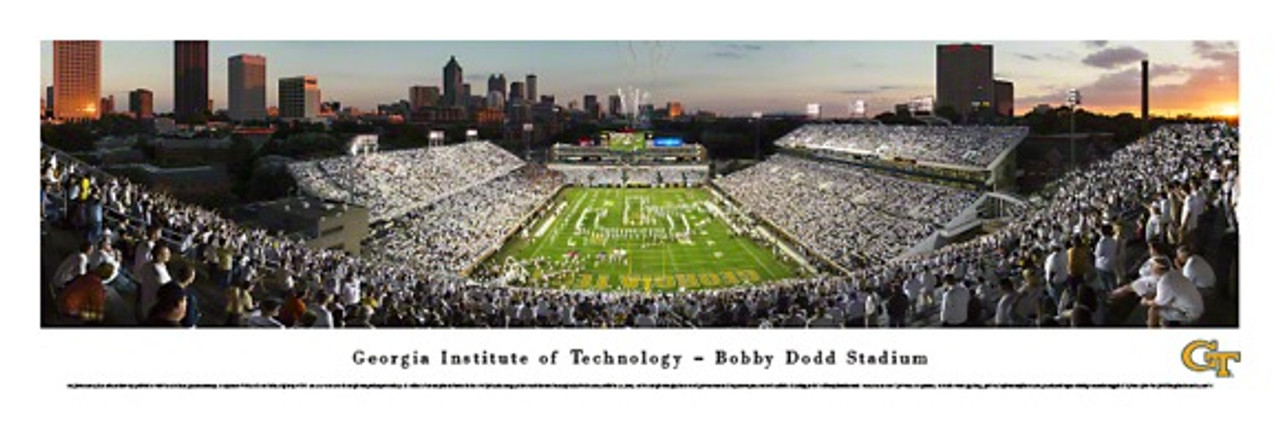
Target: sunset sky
[728,77]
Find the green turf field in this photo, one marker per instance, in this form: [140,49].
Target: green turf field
[629,141]
[671,237]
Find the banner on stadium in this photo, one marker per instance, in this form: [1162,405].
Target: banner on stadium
[668,142]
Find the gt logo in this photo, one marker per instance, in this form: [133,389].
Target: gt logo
[1213,359]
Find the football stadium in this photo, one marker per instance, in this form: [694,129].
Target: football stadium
[914,221]
[615,235]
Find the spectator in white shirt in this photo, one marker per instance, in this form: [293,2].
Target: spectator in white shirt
[1196,269]
[955,302]
[911,287]
[1005,306]
[872,309]
[1104,260]
[1055,271]
[142,253]
[73,266]
[351,292]
[154,274]
[105,254]
[1153,225]
[1177,302]
[1193,206]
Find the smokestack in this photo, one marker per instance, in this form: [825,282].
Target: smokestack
[1145,90]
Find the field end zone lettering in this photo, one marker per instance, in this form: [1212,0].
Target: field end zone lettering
[602,282]
[584,281]
[709,280]
[749,275]
[687,281]
[630,282]
[666,282]
[729,278]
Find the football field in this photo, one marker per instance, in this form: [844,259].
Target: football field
[637,239]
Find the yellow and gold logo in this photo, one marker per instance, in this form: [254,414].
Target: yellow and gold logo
[1212,359]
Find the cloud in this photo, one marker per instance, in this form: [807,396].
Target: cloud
[1111,58]
[1095,44]
[869,91]
[1038,57]
[1203,90]
[736,50]
[1163,70]
[1219,51]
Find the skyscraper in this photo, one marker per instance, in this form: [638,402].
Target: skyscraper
[77,79]
[423,96]
[140,104]
[48,99]
[615,105]
[453,83]
[495,100]
[531,85]
[1004,98]
[190,80]
[591,105]
[247,87]
[965,77]
[299,97]
[107,105]
[517,92]
[497,83]
[674,109]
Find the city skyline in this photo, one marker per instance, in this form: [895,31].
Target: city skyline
[729,78]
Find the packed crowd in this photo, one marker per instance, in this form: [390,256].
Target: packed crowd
[451,233]
[617,175]
[1063,263]
[390,184]
[1065,260]
[853,216]
[974,146]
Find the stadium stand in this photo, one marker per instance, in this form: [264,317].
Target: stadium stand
[1178,185]
[975,146]
[851,215]
[391,184]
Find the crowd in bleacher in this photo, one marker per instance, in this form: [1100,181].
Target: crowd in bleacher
[1071,258]
[974,146]
[591,175]
[851,215]
[1126,231]
[390,184]
[453,232]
